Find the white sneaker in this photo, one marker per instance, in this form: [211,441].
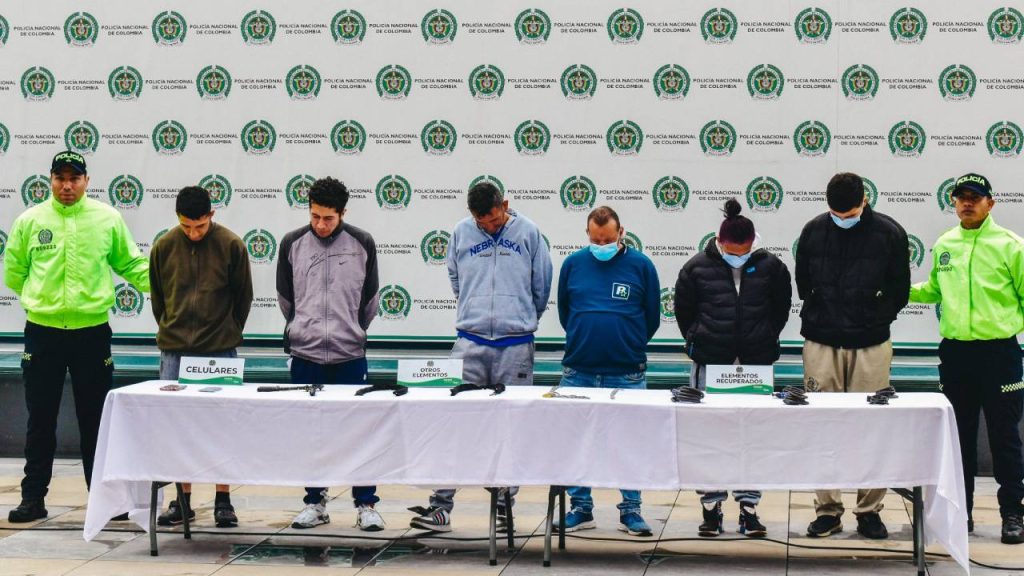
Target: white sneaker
[312,515]
[368,519]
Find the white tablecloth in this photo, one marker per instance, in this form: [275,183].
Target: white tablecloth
[639,440]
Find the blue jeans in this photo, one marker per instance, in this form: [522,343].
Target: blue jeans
[579,496]
[351,372]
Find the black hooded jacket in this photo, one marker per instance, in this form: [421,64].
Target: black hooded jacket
[853,282]
[721,325]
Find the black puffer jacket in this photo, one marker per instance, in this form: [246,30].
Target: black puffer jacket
[853,282]
[720,325]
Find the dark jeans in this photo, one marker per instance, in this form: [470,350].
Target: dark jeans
[979,375]
[50,353]
[351,372]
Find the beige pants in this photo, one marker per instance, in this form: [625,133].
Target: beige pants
[828,369]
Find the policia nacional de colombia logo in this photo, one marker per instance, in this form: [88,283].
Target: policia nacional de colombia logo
[348,28]
[393,192]
[35,190]
[434,247]
[439,27]
[1004,140]
[125,83]
[765,82]
[394,302]
[813,26]
[860,82]
[917,251]
[487,178]
[82,137]
[671,82]
[213,83]
[393,82]
[258,28]
[261,246]
[718,138]
[532,26]
[667,301]
[707,239]
[764,194]
[5,31]
[624,138]
[169,29]
[670,194]
[633,241]
[302,82]
[297,191]
[812,139]
[125,192]
[219,189]
[438,138]
[5,139]
[37,84]
[3,244]
[169,138]
[718,26]
[81,29]
[348,137]
[957,82]
[908,26]
[258,137]
[870,191]
[486,82]
[579,82]
[625,26]
[944,196]
[128,301]
[1006,26]
[907,139]
[532,138]
[578,193]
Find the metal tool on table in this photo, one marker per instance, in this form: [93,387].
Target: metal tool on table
[554,393]
[496,388]
[311,388]
[396,389]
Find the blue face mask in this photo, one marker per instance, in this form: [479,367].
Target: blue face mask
[734,260]
[604,252]
[845,223]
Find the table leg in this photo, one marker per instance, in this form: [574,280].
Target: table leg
[152,520]
[919,530]
[561,517]
[493,541]
[186,510]
[547,525]
[509,522]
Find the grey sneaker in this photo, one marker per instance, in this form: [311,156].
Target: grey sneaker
[312,515]
[368,519]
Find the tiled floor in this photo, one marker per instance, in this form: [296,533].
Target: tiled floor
[266,545]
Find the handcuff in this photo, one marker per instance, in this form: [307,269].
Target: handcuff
[793,396]
[881,397]
[554,393]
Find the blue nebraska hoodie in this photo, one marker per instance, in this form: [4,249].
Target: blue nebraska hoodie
[502,283]
[609,311]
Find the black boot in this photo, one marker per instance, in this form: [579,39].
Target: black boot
[27,511]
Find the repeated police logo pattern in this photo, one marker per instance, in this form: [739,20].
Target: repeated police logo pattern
[662,111]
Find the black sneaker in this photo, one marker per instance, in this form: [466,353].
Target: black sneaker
[870,526]
[173,516]
[749,522]
[224,515]
[712,525]
[27,511]
[501,523]
[824,526]
[1013,530]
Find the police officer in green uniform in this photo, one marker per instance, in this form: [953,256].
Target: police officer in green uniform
[978,278]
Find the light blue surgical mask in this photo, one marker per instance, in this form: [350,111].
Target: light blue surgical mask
[734,260]
[845,223]
[604,252]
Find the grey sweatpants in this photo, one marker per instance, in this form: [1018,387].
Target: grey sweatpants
[487,365]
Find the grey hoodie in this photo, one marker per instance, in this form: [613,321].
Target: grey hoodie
[502,285]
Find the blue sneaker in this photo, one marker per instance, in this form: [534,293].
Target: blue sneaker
[577,519]
[633,524]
